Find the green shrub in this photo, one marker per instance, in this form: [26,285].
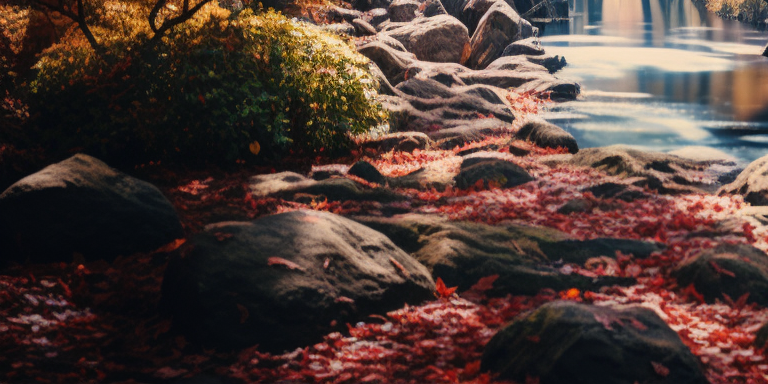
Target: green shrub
[209,89]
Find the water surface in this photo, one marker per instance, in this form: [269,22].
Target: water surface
[662,74]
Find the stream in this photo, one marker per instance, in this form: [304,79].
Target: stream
[661,75]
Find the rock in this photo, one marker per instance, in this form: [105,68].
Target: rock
[462,252]
[491,172]
[431,176]
[730,269]
[385,88]
[399,141]
[394,44]
[752,183]
[433,8]
[341,29]
[469,131]
[366,5]
[363,28]
[392,62]
[499,27]
[462,107]
[575,206]
[411,113]
[339,14]
[441,74]
[491,94]
[516,63]
[525,81]
[503,78]
[564,340]
[761,337]
[701,153]
[377,16]
[442,39]
[665,173]
[322,172]
[530,46]
[290,186]
[619,191]
[484,148]
[270,184]
[266,281]
[81,205]
[403,10]
[579,251]
[552,63]
[367,172]
[425,88]
[547,135]
[518,150]
[557,89]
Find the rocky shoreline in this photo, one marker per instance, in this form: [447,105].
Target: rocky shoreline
[608,264]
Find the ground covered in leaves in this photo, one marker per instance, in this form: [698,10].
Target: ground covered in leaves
[100,322]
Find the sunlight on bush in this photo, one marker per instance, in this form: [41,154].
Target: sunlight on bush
[212,87]
[753,11]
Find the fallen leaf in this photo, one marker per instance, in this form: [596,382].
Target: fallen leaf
[172,246]
[280,261]
[443,291]
[660,369]
[399,267]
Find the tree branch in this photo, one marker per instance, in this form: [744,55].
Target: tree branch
[185,15]
[78,18]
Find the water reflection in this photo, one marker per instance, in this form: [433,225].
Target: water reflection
[701,78]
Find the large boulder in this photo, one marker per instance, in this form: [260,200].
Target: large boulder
[663,172]
[533,81]
[499,27]
[293,186]
[565,342]
[490,172]
[433,8]
[403,10]
[284,281]
[81,205]
[730,269]
[580,251]
[441,38]
[530,46]
[752,183]
[392,61]
[468,131]
[398,141]
[461,253]
[547,135]
[411,113]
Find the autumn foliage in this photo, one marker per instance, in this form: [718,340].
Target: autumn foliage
[211,89]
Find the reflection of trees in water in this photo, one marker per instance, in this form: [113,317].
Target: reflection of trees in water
[664,14]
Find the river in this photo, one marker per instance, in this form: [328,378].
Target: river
[661,75]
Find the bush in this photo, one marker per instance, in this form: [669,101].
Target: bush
[212,87]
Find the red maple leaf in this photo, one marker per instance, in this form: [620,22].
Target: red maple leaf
[280,261]
[441,290]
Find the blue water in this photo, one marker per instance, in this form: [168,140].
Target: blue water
[662,75]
